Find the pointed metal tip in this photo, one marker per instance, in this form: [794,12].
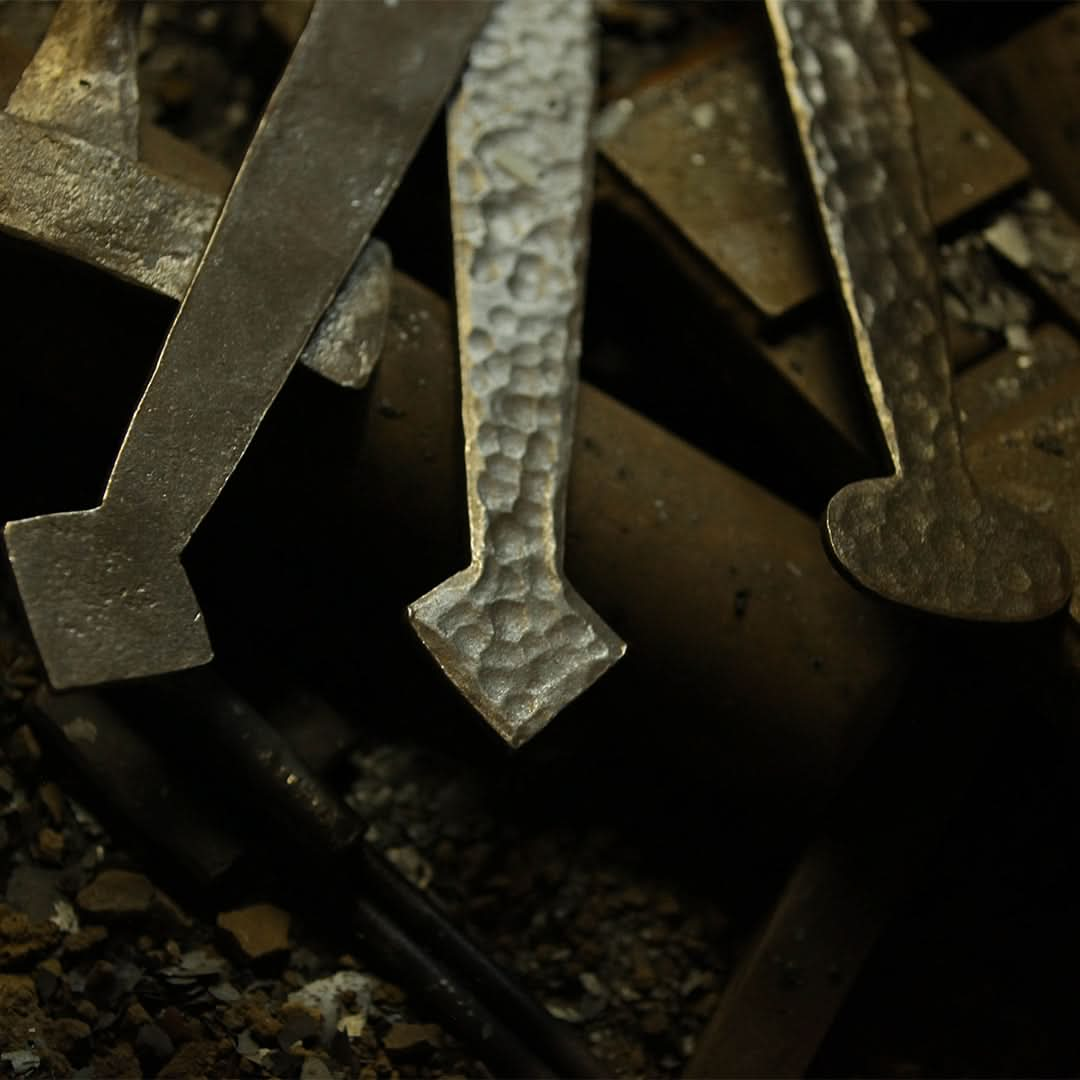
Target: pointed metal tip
[518,663]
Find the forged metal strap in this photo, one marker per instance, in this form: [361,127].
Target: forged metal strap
[103,589]
[511,633]
[925,537]
[72,181]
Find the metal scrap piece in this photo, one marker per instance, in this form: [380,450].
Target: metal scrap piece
[82,79]
[104,590]
[709,149]
[925,537]
[510,631]
[1022,430]
[68,162]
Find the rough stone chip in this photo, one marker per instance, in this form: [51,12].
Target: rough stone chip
[257,931]
[117,893]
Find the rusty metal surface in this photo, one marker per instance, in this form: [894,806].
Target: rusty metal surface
[104,589]
[82,79]
[710,149]
[347,343]
[925,537]
[510,631]
[72,181]
[1023,431]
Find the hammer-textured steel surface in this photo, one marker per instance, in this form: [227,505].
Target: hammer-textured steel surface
[72,181]
[104,591]
[511,633]
[926,536]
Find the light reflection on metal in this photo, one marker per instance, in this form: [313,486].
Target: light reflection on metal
[510,631]
[71,179]
[104,590]
[82,79]
[925,537]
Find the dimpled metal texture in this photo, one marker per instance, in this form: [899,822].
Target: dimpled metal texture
[925,537]
[104,590]
[509,631]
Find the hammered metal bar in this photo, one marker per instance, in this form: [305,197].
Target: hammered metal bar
[510,631]
[104,590]
[71,180]
[925,537]
[707,146]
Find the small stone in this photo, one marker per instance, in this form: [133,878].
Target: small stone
[226,993]
[23,749]
[50,846]
[120,1063]
[178,1027]
[67,1036]
[18,996]
[331,996]
[33,891]
[301,1024]
[7,786]
[252,1016]
[47,977]
[117,894]
[152,1044]
[86,941]
[136,1015]
[412,864]
[23,941]
[315,1069]
[206,1057]
[87,1011]
[353,1026]
[52,798]
[1008,237]
[259,931]
[65,916]
[402,1038]
[21,1062]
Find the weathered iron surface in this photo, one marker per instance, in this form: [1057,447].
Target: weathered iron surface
[1022,429]
[698,166]
[69,150]
[709,148]
[104,589]
[925,537]
[510,631]
[83,78]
